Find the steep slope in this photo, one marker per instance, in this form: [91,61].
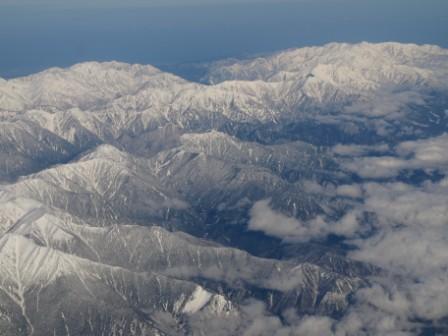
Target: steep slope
[128,195]
[105,188]
[83,85]
[26,148]
[112,300]
[293,161]
[339,91]
[302,286]
[358,67]
[362,92]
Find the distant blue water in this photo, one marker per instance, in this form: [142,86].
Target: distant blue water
[35,37]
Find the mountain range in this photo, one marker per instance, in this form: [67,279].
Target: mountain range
[137,202]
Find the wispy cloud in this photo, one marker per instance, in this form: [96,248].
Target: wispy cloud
[273,223]
[428,154]
[408,239]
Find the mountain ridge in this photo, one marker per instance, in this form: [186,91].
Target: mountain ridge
[138,192]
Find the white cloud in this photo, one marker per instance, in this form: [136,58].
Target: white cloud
[428,154]
[409,242]
[359,150]
[425,206]
[276,224]
[384,103]
[349,190]
[313,326]
[377,167]
[411,221]
[261,323]
[432,152]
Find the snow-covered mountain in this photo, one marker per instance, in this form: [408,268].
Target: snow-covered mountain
[128,195]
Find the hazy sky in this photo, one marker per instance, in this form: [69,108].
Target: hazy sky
[35,35]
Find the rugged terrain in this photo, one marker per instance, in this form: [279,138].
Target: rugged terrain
[277,193]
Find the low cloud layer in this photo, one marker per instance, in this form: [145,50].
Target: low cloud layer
[407,238]
[276,224]
[392,105]
[429,155]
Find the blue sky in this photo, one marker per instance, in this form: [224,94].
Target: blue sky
[35,35]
